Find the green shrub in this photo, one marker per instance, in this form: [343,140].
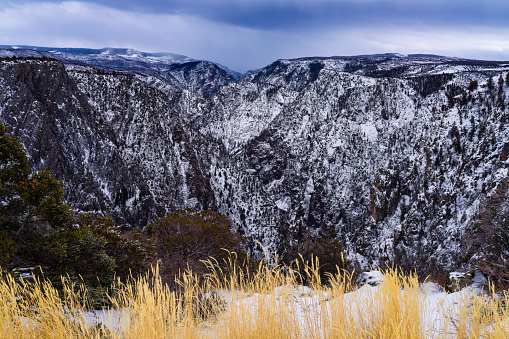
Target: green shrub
[131,251]
[85,255]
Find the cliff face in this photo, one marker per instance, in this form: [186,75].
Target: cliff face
[396,157]
[117,144]
[401,158]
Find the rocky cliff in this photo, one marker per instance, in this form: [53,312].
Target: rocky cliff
[117,144]
[402,158]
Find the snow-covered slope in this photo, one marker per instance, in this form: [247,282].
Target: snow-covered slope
[369,155]
[402,158]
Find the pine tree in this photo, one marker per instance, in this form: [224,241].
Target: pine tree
[490,83]
[500,99]
[32,205]
[14,175]
[473,85]
[472,128]
[454,134]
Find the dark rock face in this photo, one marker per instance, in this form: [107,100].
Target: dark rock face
[116,143]
[202,77]
[398,157]
[293,75]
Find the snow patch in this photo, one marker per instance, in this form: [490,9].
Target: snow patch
[283,203]
[369,131]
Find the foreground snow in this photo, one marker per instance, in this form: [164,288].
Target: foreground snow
[306,308]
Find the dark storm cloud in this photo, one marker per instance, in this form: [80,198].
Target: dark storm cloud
[250,34]
[297,15]
[319,14]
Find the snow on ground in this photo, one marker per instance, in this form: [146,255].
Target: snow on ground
[440,316]
[111,319]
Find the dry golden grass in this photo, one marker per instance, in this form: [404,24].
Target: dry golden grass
[393,310]
[482,316]
[236,302]
[36,310]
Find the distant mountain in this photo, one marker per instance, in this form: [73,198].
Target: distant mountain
[403,158]
[122,52]
[181,71]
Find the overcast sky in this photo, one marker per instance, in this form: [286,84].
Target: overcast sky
[249,34]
